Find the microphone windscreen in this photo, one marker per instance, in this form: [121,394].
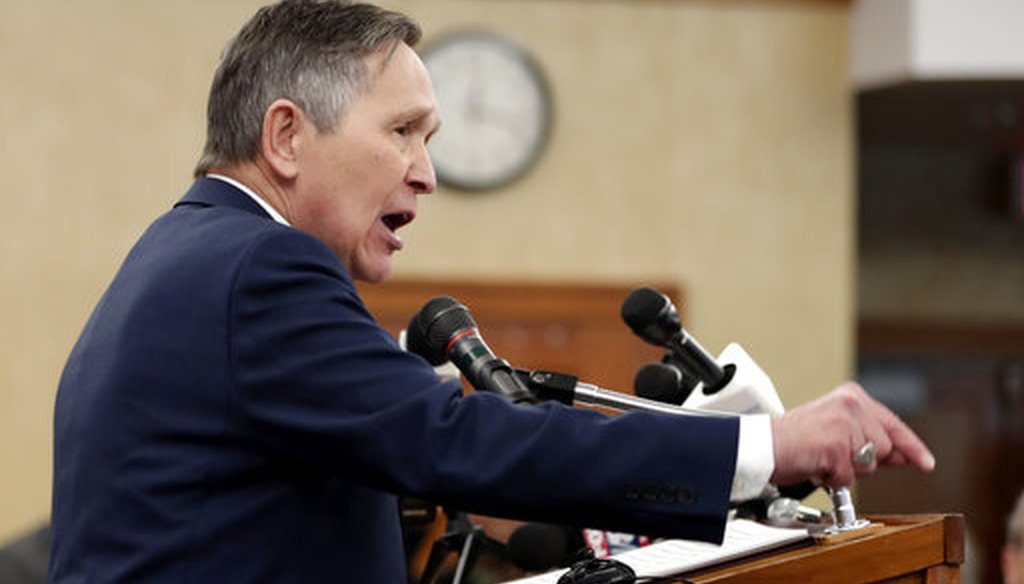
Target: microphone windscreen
[537,547]
[661,383]
[651,315]
[432,328]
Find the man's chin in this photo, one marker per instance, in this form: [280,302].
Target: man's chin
[373,273]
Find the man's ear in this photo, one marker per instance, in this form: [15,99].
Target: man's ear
[282,133]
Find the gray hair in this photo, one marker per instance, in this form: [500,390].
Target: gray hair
[310,52]
[1015,524]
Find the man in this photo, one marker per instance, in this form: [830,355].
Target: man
[1013,549]
[232,413]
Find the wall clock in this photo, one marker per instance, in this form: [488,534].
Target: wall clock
[495,108]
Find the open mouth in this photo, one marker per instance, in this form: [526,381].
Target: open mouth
[394,221]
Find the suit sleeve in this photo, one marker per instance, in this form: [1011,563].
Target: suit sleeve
[320,384]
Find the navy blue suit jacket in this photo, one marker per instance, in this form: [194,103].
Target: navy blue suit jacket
[232,413]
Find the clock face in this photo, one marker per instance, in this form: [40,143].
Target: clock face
[495,110]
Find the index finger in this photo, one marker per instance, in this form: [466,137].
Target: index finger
[906,445]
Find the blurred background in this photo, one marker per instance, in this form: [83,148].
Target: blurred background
[835,184]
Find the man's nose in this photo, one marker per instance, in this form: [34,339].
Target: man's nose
[421,175]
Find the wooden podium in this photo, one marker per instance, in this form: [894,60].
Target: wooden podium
[906,548]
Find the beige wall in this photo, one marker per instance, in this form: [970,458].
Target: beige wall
[706,143]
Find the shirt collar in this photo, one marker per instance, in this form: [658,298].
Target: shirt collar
[252,194]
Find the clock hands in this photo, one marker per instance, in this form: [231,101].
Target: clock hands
[495,106]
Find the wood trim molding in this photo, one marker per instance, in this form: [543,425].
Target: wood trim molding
[918,337]
[752,2]
[530,302]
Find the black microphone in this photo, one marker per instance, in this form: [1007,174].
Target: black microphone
[652,316]
[444,330]
[538,547]
[663,382]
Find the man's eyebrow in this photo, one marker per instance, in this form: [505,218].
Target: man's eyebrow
[425,115]
[419,111]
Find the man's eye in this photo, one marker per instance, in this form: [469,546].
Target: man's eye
[402,130]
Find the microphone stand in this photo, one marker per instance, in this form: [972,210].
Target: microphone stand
[460,536]
[567,389]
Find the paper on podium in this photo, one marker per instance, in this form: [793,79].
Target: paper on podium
[675,556]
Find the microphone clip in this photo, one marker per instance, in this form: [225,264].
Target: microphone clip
[780,511]
[549,385]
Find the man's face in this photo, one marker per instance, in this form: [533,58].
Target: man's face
[358,184]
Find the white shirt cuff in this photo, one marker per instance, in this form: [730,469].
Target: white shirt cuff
[755,458]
